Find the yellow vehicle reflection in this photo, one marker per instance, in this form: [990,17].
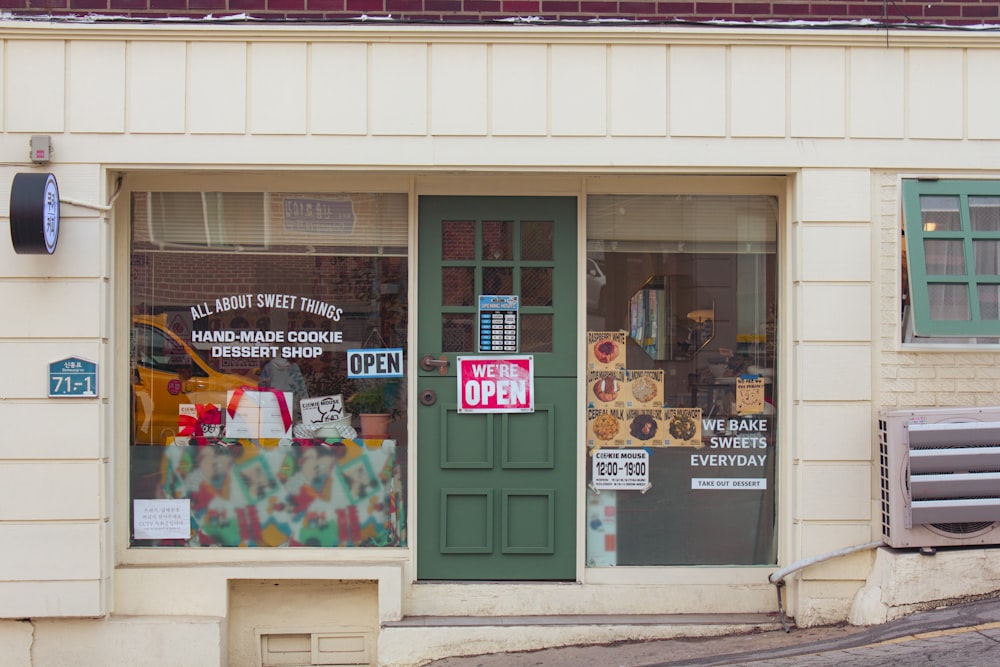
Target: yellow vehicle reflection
[166,373]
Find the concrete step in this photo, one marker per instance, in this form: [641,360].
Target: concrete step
[417,640]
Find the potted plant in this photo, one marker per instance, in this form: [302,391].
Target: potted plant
[374,403]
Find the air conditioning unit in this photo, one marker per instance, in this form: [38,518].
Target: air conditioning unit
[940,476]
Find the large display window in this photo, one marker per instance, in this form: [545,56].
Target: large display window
[681,383]
[263,325]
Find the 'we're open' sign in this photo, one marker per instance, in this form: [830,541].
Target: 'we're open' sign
[496,384]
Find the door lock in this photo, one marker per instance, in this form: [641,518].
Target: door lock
[429,363]
[428,397]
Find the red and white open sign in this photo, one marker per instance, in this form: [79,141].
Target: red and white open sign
[496,384]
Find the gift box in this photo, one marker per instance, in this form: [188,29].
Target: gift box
[253,412]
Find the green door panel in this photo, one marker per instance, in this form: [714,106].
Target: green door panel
[496,493]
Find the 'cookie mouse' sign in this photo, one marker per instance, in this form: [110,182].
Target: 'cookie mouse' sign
[496,384]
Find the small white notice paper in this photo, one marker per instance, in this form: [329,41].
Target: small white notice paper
[161,519]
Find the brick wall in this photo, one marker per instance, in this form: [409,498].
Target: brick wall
[951,12]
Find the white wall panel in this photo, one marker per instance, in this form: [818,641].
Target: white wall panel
[758,91]
[38,599]
[579,90]
[836,492]
[399,89]
[639,90]
[876,93]
[459,85]
[836,195]
[834,312]
[50,551]
[519,96]
[157,93]
[53,429]
[834,372]
[817,104]
[278,88]
[935,100]
[26,491]
[63,309]
[983,94]
[833,432]
[338,88]
[96,86]
[36,95]
[697,91]
[217,88]
[834,253]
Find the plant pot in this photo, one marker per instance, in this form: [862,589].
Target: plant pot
[374,426]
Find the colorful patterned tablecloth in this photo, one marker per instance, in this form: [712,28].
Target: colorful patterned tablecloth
[302,492]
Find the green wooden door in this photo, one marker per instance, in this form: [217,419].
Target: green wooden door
[496,492]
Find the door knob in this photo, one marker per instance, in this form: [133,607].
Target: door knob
[429,363]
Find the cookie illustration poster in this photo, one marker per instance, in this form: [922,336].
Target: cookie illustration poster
[606,350]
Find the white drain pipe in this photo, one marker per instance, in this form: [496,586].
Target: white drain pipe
[778,578]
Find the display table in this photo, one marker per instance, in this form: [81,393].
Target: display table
[303,492]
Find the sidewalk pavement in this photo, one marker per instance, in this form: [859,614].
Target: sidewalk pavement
[762,648]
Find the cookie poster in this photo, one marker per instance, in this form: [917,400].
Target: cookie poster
[605,428]
[606,350]
[643,388]
[646,428]
[684,427]
[606,389]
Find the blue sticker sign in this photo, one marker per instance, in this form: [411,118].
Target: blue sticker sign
[498,323]
[72,377]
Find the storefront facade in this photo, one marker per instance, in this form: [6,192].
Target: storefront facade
[632,296]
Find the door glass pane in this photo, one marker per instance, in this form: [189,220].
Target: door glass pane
[536,240]
[944,257]
[989,298]
[940,214]
[984,214]
[457,331]
[458,240]
[536,332]
[948,301]
[691,282]
[457,285]
[498,240]
[987,257]
[498,280]
[536,286]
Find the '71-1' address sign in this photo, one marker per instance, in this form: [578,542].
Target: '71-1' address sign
[72,377]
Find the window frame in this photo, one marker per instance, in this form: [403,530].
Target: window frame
[914,236]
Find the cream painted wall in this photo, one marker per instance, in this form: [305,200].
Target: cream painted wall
[554,101]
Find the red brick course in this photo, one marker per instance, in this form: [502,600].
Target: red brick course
[949,12]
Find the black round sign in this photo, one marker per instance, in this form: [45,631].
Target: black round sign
[34,214]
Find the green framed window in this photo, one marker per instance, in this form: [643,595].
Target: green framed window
[952,251]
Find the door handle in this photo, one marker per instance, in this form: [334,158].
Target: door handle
[429,363]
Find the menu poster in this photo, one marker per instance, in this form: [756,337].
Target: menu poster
[606,350]
[606,389]
[605,427]
[749,395]
[644,388]
[684,427]
[647,427]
